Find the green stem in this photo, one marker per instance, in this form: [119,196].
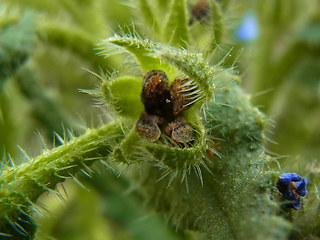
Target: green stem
[21,186]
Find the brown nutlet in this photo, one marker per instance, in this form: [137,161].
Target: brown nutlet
[148,126]
[180,131]
[178,94]
[155,91]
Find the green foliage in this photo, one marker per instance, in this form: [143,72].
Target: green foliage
[220,185]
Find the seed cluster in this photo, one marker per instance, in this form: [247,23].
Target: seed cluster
[163,105]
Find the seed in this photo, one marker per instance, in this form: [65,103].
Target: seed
[148,126]
[155,93]
[180,131]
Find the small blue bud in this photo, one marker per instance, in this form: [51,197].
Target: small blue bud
[292,187]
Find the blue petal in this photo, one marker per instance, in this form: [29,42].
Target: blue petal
[291,177]
[302,187]
[294,204]
[249,29]
[284,187]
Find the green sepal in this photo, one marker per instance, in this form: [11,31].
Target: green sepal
[142,49]
[123,94]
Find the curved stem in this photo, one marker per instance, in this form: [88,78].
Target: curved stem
[21,186]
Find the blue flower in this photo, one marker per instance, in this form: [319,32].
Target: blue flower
[292,187]
[248,30]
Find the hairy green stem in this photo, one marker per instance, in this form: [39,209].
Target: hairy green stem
[21,186]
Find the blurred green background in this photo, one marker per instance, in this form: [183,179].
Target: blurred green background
[47,45]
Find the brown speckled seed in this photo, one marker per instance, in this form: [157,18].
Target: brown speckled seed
[148,126]
[155,91]
[180,131]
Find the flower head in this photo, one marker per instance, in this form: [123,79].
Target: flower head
[163,103]
[292,187]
